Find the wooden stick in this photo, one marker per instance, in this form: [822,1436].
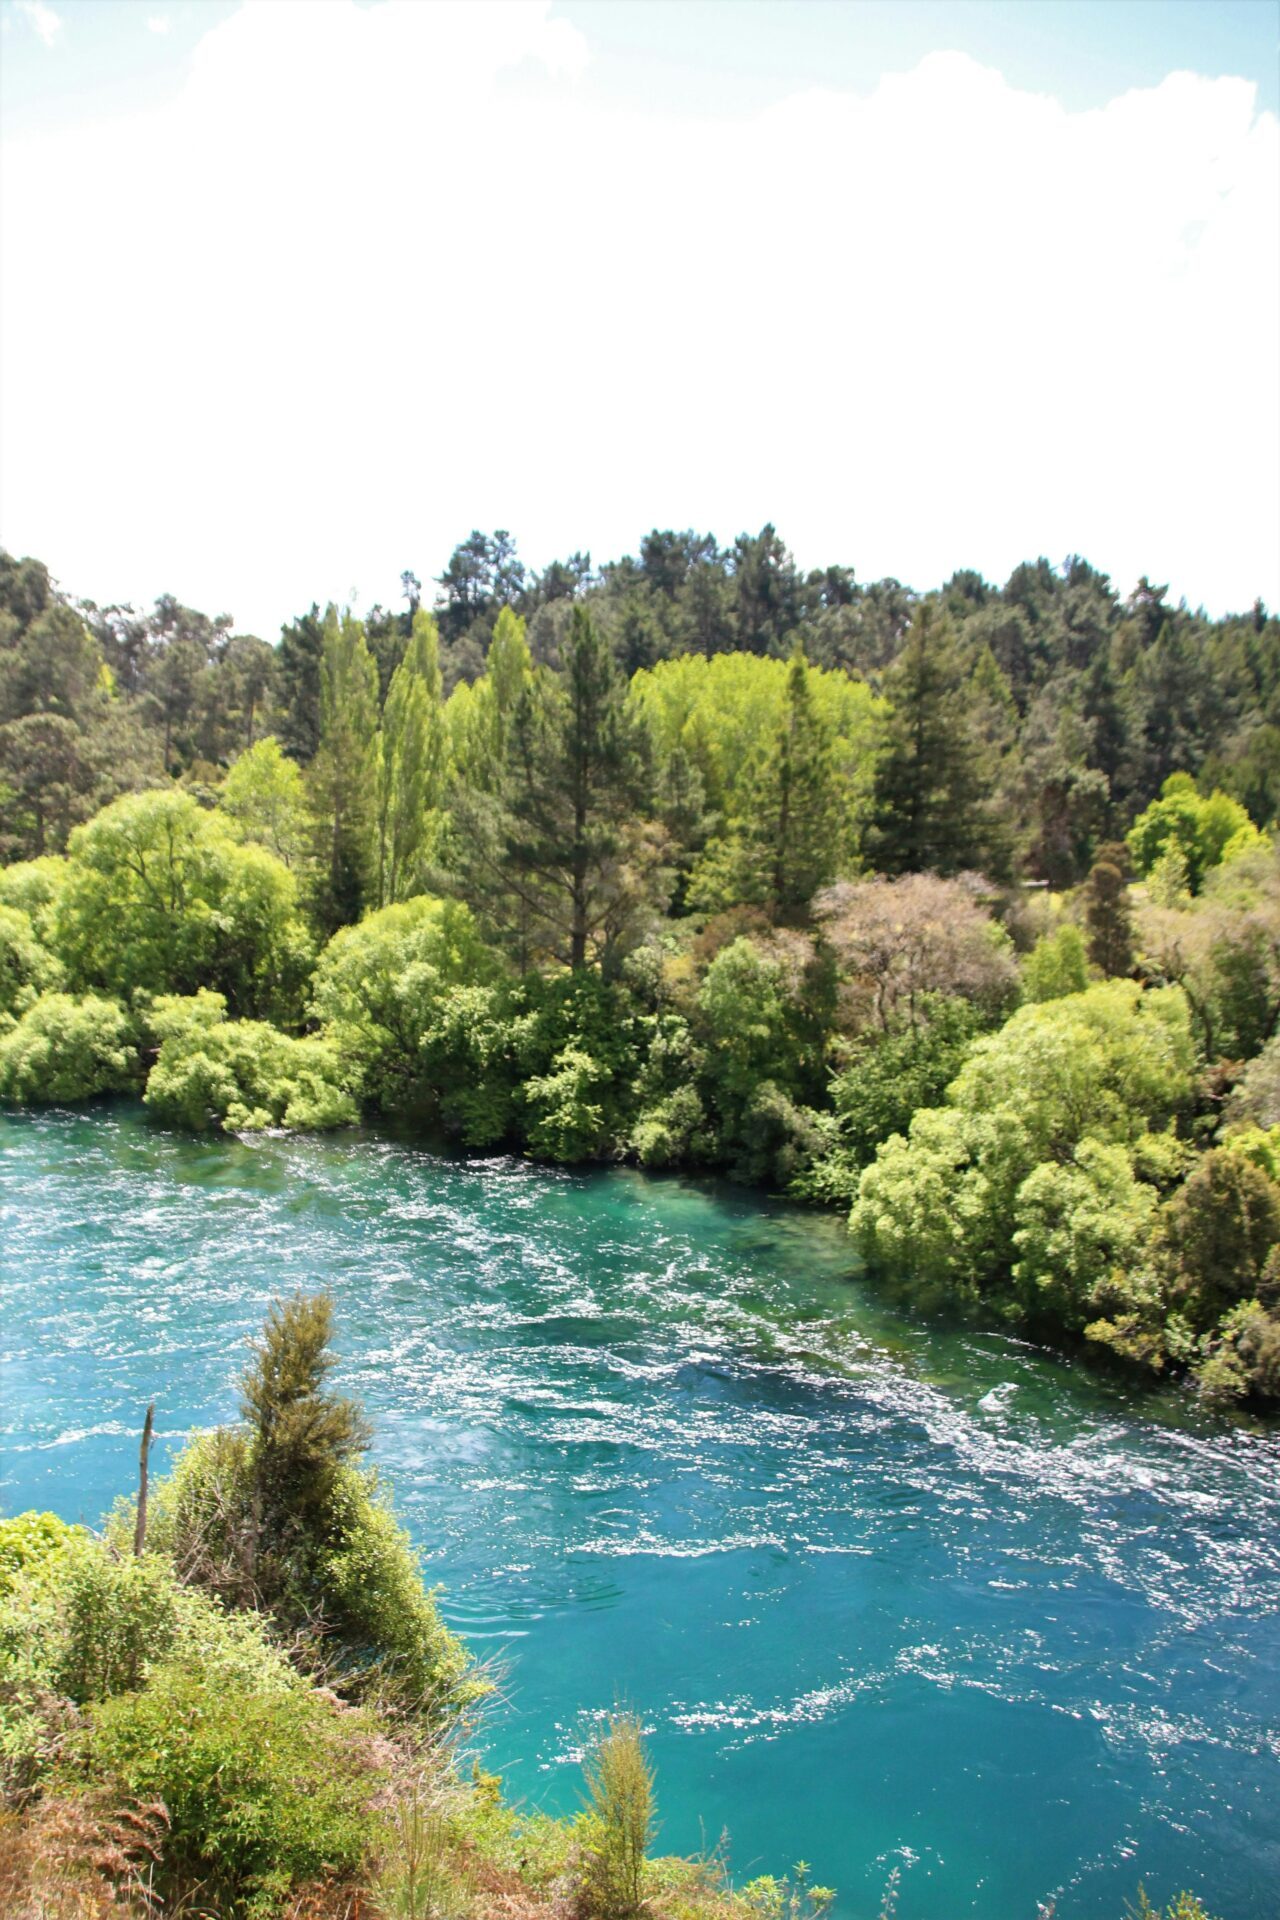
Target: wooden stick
[140,1525]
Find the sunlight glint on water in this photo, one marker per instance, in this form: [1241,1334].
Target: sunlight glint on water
[886,1592]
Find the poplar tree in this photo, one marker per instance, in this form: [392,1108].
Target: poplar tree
[410,764]
[342,782]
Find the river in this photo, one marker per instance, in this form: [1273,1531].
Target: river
[888,1591]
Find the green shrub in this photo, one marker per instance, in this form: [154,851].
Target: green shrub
[34,887]
[1056,965]
[29,1542]
[241,1075]
[67,1049]
[383,991]
[617,1826]
[279,1515]
[27,969]
[889,1077]
[1108,1064]
[263,1791]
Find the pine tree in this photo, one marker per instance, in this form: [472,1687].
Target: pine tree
[556,857]
[342,782]
[410,764]
[795,828]
[932,788]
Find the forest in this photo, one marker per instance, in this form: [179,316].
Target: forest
[958,910]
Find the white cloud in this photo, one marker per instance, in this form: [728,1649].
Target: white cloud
[158,23]
[383,274]
[41,18]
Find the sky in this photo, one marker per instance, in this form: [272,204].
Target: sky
[295,293]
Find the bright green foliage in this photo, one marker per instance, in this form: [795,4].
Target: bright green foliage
[263,1792]
[341,781]
[242,1075]
[264,794]
[617,1827]
[411,765]
[28,1541]
[1200,830]
[478,716]
[67,1047]
[1107,1063]
[1111,1061]
[83,1621]
[564,1122]
[1083,1235]
[720,722]
[1056,965]
[161,897]
[1184,1906]
[26,968]
[796,1897]
[33,887]
[384,988]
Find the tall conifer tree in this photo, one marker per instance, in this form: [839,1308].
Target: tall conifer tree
[932,790]
[795,830]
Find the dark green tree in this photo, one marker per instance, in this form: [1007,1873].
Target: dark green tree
[301,650]
[932,792]
[1107,916]
[795,817]
[559,858]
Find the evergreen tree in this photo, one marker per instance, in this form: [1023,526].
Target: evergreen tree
[410,764]
[342,782]
[1107,917]
[301,651]
[932,789]
[795,823]
[557,859]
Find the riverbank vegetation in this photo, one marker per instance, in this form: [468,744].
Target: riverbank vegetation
[245,1704]
[959,910]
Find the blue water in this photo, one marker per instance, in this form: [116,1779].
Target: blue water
[887,1592]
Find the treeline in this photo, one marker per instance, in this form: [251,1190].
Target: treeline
[740,908]
[1073,704]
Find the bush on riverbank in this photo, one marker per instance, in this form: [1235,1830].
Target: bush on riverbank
[257,1714]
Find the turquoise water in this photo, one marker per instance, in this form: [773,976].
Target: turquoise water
[887,1592]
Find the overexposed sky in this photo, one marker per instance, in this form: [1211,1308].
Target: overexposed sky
[341,281]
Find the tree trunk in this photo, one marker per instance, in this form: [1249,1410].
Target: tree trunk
[140,1524]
